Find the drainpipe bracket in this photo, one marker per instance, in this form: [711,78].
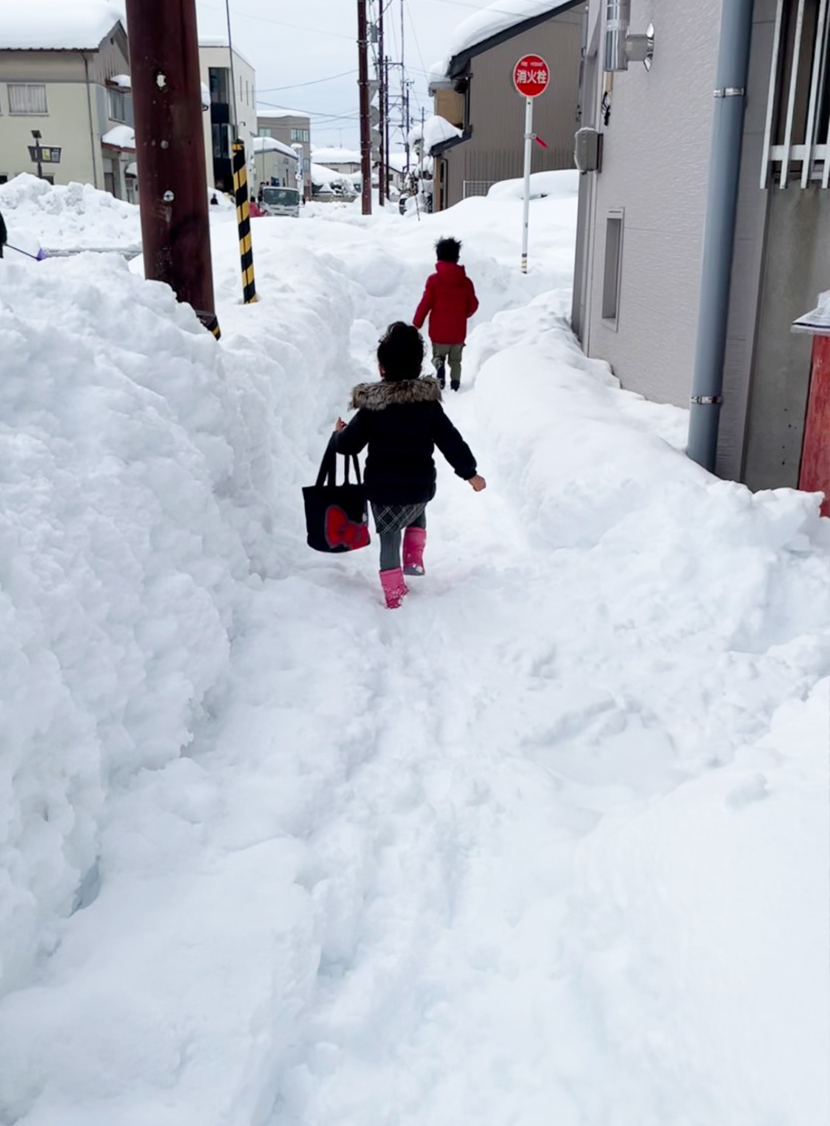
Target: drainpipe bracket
[730,92]
[707,400]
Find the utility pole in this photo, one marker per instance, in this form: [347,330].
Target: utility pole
[382,78]
[363,83]
[385,123]
[170,149]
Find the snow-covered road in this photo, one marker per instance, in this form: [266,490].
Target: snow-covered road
[548,845]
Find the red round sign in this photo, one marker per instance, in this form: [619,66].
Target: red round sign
[531,76]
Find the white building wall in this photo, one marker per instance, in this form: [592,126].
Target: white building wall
[655,163]
[213,55]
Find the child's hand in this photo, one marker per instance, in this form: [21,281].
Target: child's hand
[478,483]
[339,425]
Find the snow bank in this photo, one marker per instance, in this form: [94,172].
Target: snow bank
[68,217]
[119,573]
[543,185]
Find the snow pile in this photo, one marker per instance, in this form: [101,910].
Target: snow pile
[119,574]
[68,217]
[482,25]
[55,25]
[543,185]
[328,180]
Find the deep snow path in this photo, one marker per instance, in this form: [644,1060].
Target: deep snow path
[512,854]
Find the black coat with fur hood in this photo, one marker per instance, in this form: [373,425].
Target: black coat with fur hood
[402,421]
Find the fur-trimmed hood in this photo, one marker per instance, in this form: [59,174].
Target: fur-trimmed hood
[387,393]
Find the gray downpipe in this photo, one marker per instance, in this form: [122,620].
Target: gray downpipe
[719,230]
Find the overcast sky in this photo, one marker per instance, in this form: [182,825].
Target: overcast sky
[305,52]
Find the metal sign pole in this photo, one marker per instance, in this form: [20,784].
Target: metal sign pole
[528,155]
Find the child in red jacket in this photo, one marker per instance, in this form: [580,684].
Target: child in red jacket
[449,299]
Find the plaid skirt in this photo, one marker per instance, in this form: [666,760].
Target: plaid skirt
[390,518]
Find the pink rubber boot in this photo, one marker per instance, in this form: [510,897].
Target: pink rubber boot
[414,540]
[393,587]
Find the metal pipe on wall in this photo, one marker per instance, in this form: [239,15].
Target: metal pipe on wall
[617,22]
[719,230]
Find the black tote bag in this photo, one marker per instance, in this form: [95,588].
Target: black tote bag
[336,516]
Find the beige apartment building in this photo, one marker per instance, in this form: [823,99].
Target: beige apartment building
[67,80]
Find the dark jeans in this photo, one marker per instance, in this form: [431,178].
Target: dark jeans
[390,545]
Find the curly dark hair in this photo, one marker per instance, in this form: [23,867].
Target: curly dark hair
[401,352]
[447,249]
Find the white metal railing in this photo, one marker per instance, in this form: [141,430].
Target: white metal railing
[799,117]
[477,187]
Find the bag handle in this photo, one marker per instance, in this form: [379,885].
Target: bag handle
[328,466]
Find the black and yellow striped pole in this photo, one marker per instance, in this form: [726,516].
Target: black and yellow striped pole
[243,222]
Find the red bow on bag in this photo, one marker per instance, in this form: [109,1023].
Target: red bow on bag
[340,530]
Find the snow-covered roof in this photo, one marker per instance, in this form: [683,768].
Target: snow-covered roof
[335,156]
[267,112]
[52,25]
[120,137]
[122,80]
[271,144]
[499,17]
[218,41]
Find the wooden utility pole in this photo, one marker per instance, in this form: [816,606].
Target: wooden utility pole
[381,108]
[170,149]
[365,125]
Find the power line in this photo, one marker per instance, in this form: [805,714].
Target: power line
[281,23]
[318,113]
[314,82]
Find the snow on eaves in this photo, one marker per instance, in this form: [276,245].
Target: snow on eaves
[54,25]
[497,17]
[436,131]
[120,137]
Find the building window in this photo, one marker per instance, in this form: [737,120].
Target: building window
[3,178]
[797,135]
[118,105]
[265,133]
[221,135]
[28,98]
[299,135]
[613,267]
[219,88]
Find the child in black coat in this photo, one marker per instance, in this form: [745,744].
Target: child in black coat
[401,420]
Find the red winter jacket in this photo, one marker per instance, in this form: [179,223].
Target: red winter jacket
[450,299]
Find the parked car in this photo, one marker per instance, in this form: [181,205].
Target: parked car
[279,201]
